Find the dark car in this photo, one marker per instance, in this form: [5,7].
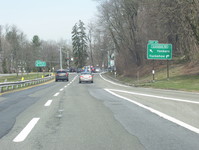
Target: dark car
[61,74]
[79,70]
[72,70]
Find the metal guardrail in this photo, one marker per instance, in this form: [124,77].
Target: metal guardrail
[19,84]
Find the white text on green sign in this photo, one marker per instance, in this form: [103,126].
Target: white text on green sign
[152,42]
[39,63]
[159,51]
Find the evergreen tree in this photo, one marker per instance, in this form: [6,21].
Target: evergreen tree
[36,45]
[36,51]
[83,43]
[36,41]
[79,41]
[75,43]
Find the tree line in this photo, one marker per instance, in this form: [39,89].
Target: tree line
[18,54]
[121,32]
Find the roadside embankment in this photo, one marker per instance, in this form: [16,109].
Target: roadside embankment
[180,78]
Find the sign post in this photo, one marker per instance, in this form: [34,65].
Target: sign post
[159,51]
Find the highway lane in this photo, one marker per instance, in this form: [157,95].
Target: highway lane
[11,105]
[69,115]
[178,104]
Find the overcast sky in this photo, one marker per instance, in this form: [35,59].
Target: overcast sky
[49,19]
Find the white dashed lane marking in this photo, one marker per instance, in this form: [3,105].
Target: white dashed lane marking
[24,133]
[48,103]
[56,94]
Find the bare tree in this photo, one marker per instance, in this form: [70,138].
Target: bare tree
[131,23]
[90,41]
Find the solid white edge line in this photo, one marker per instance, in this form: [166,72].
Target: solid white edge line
[113,82]
[48,103]
[24,133]
[176,121]
[154,96]
[56,94]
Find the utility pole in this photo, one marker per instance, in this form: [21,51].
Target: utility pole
[108,60]
[60,58]
[68,59]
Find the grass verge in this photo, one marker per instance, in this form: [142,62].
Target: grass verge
[184,82]
[29,76]
[177,80]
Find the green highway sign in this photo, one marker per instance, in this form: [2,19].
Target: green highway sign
[39,63]
[152,42]
[159,51]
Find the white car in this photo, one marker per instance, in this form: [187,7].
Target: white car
[86,77]
[97,70]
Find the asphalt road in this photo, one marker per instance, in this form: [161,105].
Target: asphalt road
[103,115]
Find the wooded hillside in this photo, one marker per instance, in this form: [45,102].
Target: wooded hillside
[125,26]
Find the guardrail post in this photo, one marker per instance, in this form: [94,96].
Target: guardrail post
[6,88]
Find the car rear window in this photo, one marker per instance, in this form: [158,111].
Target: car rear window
[61,71]
[85,73]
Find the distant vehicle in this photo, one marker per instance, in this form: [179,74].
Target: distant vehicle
[86,77]
[92,69]
[87,68]
[79,70]
[61,74]
[72,70]
[68,70]
[97,70]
